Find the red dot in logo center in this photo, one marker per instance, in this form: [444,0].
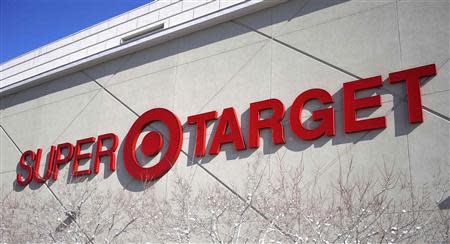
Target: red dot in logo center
[152,144]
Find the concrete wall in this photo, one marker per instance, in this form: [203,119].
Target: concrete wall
[107,35]
[275,53]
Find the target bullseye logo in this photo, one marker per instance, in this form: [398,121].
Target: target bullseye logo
[228,129]
[152,144]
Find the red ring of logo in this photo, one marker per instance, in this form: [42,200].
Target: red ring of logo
[173,151]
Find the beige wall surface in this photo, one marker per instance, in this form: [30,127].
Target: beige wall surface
[384,185]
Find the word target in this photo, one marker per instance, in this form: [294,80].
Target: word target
[228,129]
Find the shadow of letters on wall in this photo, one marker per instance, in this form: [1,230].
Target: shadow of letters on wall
[237,138]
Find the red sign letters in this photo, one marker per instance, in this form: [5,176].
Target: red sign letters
[228,129]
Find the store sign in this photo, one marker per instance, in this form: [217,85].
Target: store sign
[228,129]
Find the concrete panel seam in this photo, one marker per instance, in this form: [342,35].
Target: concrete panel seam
[398,33]
[233,76]
[45,183]
[409,167]
[76,116]
[198,164]
[7,171]
[45,104]
[436,92]
[175,73]
[119,68]
[92,98]
[297,50]
[9,137]
[238,195]
[110,93]
[49,189]
[349,148]
[295,14]
[335,19]
[332,65]
[182,64]
[435,113]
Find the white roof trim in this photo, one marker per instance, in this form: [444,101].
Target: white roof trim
[178,24]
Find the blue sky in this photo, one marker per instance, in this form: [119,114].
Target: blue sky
[29,24]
